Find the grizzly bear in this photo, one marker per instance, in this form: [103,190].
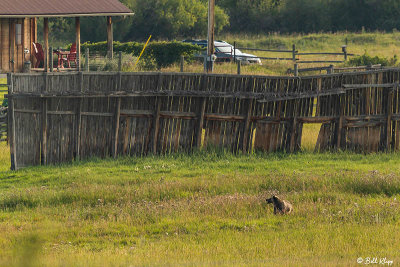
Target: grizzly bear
[280,206]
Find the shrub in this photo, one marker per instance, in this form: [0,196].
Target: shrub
[163,53]
[366,60]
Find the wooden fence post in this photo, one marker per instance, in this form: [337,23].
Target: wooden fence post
[87,60]
[78,120]
[234,51]
[11,121]
[340,124]
[117,116]
[294,129]
[200,122]
[330,69]
[156,124]
[344,49]
[296,70]
[51,58]
[294,53]
[389,118]
[46,81]
[80,79]
[120,61]
[238,67]
[295,65]
[78,42]
[44,122]
[44,132]
[246,127]
[46,44]
[58,59]
[182,63]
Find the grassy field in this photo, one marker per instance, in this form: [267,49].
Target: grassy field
[375,44]
[204,209]
[208,208]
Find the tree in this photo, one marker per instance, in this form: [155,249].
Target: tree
[172,18]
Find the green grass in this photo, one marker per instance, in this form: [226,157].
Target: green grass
[375,44]
[203,209]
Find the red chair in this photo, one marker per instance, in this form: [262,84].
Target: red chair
[38,53]
[71,57]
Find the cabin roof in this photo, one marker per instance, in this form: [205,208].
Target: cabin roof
[62,8]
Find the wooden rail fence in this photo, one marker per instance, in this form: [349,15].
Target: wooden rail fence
[61,117]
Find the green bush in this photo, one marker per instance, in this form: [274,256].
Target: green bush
[163,53]
[366,60]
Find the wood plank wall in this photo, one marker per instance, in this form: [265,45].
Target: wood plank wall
[7,51]
[5,45]
[64,117]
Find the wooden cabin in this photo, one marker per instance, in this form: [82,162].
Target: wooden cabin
[18,26]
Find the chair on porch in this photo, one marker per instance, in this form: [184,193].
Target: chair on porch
[70,57]
[38,53]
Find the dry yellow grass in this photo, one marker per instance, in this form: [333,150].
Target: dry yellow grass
[309,136]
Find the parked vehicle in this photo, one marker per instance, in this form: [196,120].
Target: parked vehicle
[226,52]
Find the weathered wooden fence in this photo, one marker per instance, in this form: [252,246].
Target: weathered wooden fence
[57,118]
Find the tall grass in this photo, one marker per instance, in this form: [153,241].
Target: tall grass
[204,209]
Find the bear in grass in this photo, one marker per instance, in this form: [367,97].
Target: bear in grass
[280,206]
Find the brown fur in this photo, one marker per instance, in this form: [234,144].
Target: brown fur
[280,206]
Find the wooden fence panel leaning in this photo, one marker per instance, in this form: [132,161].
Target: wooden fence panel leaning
[59,117]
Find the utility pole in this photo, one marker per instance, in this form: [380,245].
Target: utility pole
[210,43]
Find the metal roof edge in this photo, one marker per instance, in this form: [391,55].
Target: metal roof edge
[117,14]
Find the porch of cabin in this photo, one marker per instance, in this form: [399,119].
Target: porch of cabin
[19,34]
[18,38]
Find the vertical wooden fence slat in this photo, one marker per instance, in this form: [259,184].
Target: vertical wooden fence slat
[78,127]
[389,119]
[44,122]
[294,129]
[156,124]
[340,123]
[200,122]
[78,120]
[44,132]
[10,82]
[46,81]
[80,79]
[117,116]
[243,145]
